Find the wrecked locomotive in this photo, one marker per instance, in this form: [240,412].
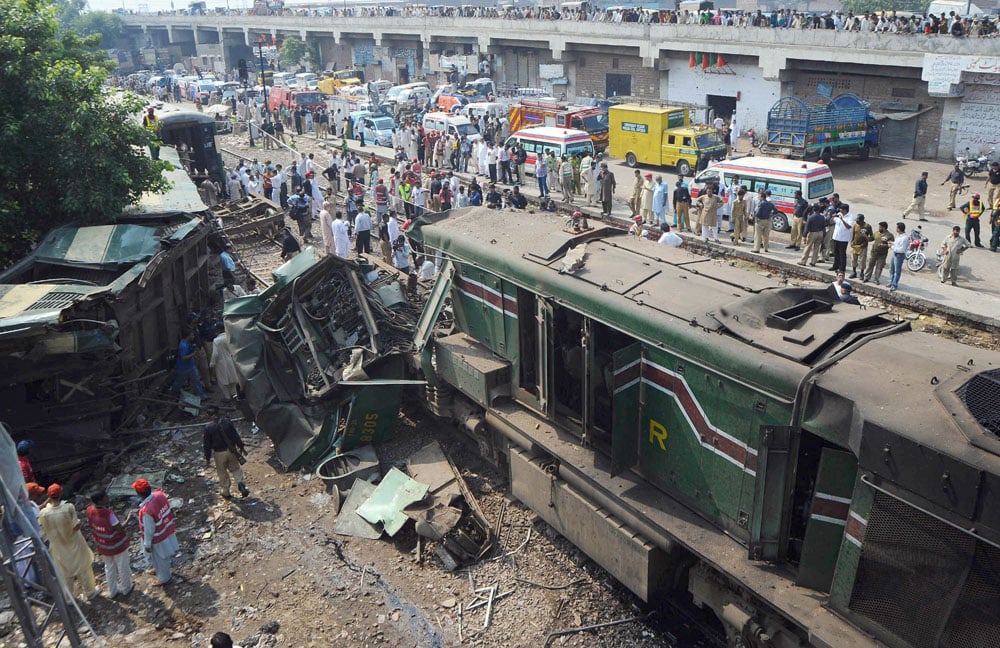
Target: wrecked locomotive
[712,435]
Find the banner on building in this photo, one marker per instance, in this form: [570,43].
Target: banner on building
[551,71]
[445,63]
[365,55]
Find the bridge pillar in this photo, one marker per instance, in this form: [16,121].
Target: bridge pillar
[170,34]
[302,35]
[378,36]
[194,34]
[648,54]
[484,44]
[558,48]
[246,37]
[772,63]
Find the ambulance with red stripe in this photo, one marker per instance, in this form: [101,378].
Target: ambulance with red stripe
[561,141]
[782,177]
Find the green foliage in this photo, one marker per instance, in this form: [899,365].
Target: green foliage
[862,6]
[69,154]
[292,51]
[108,25]
[68,10]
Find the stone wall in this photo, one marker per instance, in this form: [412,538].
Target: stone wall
[592,70]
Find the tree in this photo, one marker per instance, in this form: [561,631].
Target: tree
[70,154]
[108,25]
[292,51]
[68,10]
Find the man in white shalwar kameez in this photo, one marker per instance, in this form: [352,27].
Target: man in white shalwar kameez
[341,239]
[225,369]
[326,227]
[317,197]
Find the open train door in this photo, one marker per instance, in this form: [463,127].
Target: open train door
[772,501]
[627,407]
[831,504]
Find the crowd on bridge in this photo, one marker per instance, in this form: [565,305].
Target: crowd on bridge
[875,21]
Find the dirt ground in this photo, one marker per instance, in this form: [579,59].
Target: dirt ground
[269,569]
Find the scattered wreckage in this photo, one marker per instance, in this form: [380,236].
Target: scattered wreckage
[323,355]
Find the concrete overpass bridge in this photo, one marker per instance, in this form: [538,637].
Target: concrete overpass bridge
[938,89]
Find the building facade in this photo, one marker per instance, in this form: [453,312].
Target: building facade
[935,95]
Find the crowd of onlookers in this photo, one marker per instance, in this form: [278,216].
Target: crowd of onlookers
[875,21]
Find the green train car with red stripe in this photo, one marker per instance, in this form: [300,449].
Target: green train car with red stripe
[813,473]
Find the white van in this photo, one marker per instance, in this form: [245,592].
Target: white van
[393,93]
[305,80]
[483,109]
[453,124]
[414,98]
[561,141]
[782,177]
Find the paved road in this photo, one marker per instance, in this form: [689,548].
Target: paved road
[879,188]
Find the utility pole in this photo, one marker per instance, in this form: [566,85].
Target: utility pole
[263,79]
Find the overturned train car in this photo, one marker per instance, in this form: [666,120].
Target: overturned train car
[812,472]
[92,315]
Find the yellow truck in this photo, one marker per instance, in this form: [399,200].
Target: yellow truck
[332,82]
[661,136]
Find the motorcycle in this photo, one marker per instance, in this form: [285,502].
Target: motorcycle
[915,257]
[970,165]
[754,138]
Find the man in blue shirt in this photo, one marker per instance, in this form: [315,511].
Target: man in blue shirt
[228,265]
[186,370]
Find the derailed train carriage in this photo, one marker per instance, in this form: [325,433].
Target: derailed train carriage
[92,316]
[812,472]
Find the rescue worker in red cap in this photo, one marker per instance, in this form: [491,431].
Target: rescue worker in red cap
[156,522]
[73,558]
[112,544]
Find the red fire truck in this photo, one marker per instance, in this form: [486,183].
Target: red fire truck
[542,112]
[310,99]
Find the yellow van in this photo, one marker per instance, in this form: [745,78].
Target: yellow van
[661,136]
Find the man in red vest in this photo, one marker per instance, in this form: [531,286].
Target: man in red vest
[112,543]
[156,522]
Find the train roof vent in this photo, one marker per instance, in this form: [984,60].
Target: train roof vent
[981,396]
